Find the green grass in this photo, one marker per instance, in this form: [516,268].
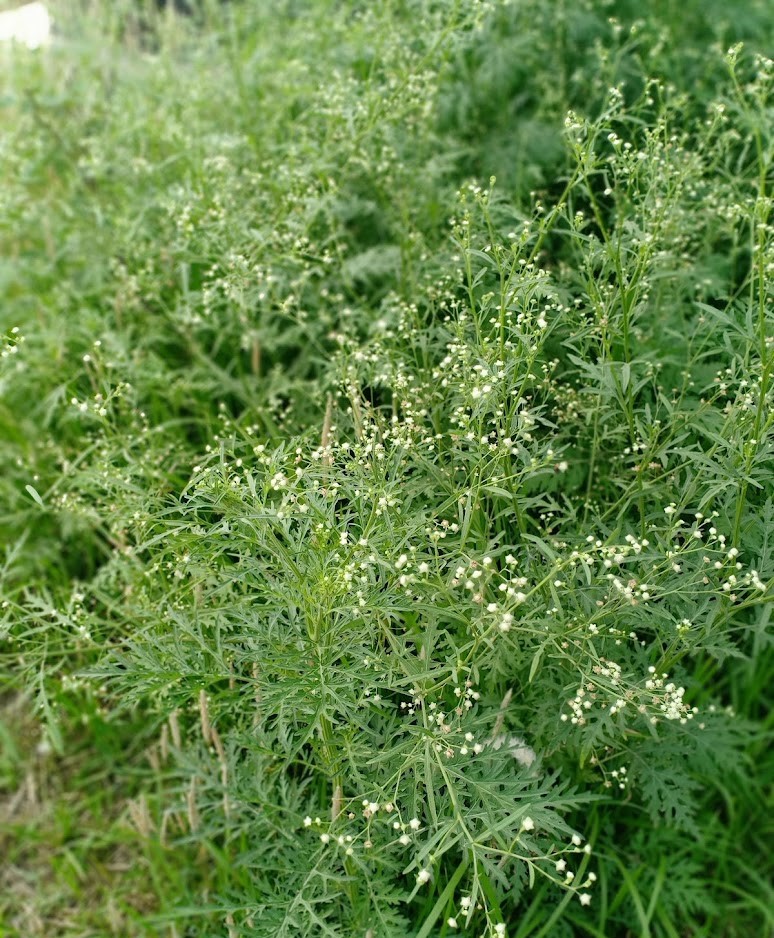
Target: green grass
[386,481]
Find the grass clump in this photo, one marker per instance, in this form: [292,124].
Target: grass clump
[387,483]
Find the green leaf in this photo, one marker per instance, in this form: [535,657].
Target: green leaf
[35,496]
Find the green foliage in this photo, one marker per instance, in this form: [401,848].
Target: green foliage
[393,541]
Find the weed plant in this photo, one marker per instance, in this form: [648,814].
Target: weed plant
[386,497]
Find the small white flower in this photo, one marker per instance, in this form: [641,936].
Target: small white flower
[307,821]
[423,876]
[528,824]
[451,922]
[414,824]
[585,898]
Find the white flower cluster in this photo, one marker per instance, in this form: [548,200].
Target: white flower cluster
[11,343]
[608,692]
